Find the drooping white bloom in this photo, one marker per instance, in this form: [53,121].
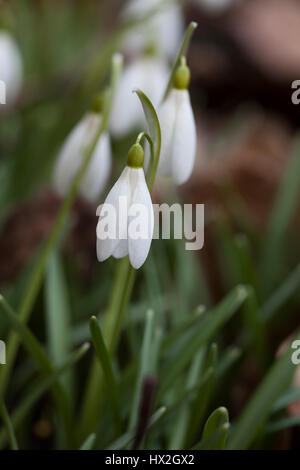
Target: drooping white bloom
[72,154]
[178,132]
[165,28]
[11,69]
[126,218]
[150,74]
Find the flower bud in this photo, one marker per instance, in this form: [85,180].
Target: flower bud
[135,158]
[182,77]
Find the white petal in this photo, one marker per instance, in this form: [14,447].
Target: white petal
[184,140]
[139,248]
[150,75]
[69,159]
[167,116]
[98,171]
[121,249]
[11,69]
[122,188]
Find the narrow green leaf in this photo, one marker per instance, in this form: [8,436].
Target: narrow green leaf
[211,442]
[8,426]
[214,423]
[145,363]
[128,437]
[105,362]
[281,216]
[259,407]
[57,315]
[281,295]
[283,424]
[40,387]
[89,442]
[155,134]
[182,52]
[39,356]
[286,399]
[203,333]
[203,398]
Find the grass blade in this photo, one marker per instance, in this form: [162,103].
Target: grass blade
[217,421]
[202,334]
[259,407]
[57,315]
[283,210]
[144,368]
[103,356]
[41,387]
[8,426]
[89,442]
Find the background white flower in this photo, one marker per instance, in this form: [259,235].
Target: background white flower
[165,28]
[11,68]
[150,74]
[72,153]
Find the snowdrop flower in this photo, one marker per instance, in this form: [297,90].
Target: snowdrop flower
[72,154]
[178,130]
[126,218]
[11,70]
[165,27]
[150,74]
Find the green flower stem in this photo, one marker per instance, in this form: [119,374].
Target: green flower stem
[181,54]
[37,276]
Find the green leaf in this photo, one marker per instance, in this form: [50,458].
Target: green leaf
[58,315]
[89,442]
[128,437]
[260,405]
[40,387]
[8,426]
[103,356]
[182,52]
[155,134]
[214,423]
[286,290]
[281,216]
[202,334]
[286,399]
[144,368]
[203,397]
[285,423]
[39,356]
[212,441]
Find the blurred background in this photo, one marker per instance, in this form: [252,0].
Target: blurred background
[243,57]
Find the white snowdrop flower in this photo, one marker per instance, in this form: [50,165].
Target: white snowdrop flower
[71,156]
[165,28]
[126,218]
[178,130]
[150,74]
[11,69]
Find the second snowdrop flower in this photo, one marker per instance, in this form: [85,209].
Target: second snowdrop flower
[72,154]
[126,218]
[178,129]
